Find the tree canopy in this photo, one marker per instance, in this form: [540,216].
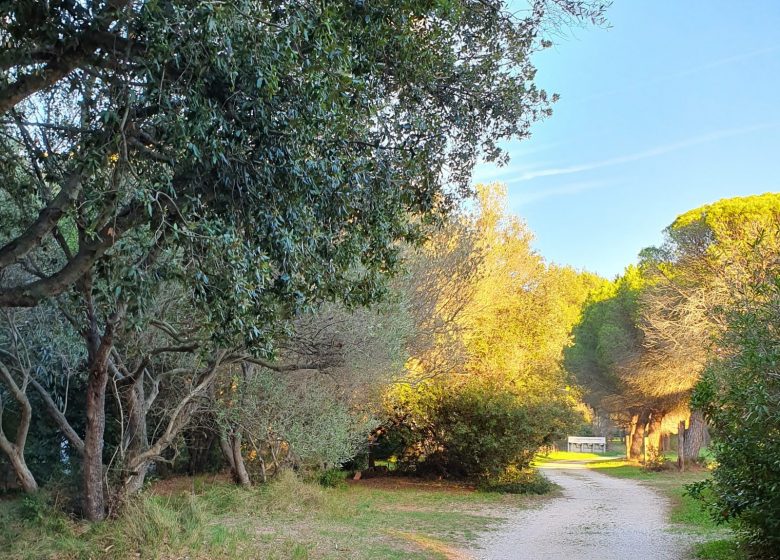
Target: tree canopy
[203,173]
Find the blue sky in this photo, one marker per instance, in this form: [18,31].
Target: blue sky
[674,106]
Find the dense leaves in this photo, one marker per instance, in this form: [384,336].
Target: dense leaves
[645,340]
[488,388]
[740,395]
[184,180]
[479,431]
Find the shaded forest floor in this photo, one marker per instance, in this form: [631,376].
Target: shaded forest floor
[201,518]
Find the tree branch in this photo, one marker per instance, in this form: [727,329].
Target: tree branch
[59,418]
[46,222]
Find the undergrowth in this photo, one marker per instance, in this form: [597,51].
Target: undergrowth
[284,520]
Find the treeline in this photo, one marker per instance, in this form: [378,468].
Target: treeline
[456,373]
[485,388]
[196,200]
[691,333]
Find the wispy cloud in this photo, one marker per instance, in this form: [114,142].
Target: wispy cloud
[487,173]
[646,154]
[520,162]
[725,61]
[523,198]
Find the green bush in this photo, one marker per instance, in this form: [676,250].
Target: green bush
[476,431]
[740,395]
[517,481]
[332,478]
[656,461]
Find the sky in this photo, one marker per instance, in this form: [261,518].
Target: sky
[675,105]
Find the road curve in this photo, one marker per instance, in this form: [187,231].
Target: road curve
[598,517]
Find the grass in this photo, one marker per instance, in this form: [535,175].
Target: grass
[716,542]
[288,519]
[574,456]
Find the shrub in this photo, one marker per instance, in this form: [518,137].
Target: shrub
[332,478]
[38,510]
[656,461]
[476,431]
[740,396]
[518,481]
[287,493]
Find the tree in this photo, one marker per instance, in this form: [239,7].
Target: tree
[643,343]
[707,253]
[263,155]
[35,349]
[739,393]
[610,359]
[318,404]
[508,320]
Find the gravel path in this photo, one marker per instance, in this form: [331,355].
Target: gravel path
[598,517]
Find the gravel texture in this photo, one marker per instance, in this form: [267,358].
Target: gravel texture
[598,517]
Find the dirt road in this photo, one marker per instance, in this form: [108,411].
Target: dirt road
[598,517]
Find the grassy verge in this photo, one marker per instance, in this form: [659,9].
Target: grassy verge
[717,542]
[574,456]
[288,519]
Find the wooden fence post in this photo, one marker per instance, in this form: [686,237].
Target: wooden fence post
[681,445]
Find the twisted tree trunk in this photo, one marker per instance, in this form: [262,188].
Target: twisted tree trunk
[99,349]
[638,435]
[136,440]
[654,432]
[15,450]
[92,464]
[231,448]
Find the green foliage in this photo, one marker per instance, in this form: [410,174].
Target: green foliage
[301,410]
[244,137]
[332,478]
[478,431]
[740,395]
[518,481]
[605,339]
[243,163]
[656,461]
[485,385]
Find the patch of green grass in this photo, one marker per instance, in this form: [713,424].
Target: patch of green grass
[573,456]
[722,549]
[287,519]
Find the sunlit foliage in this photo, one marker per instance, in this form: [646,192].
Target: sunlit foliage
[513,320]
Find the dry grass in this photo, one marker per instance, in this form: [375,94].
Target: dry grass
[289,519]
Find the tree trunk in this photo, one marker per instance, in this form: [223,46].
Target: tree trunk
[638,436]
[94,504]
[630,435]
[15,450]
[242,476]
[135,440]
[654,433]
[23,475]
[695,437]
[230,443]
[227,452]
